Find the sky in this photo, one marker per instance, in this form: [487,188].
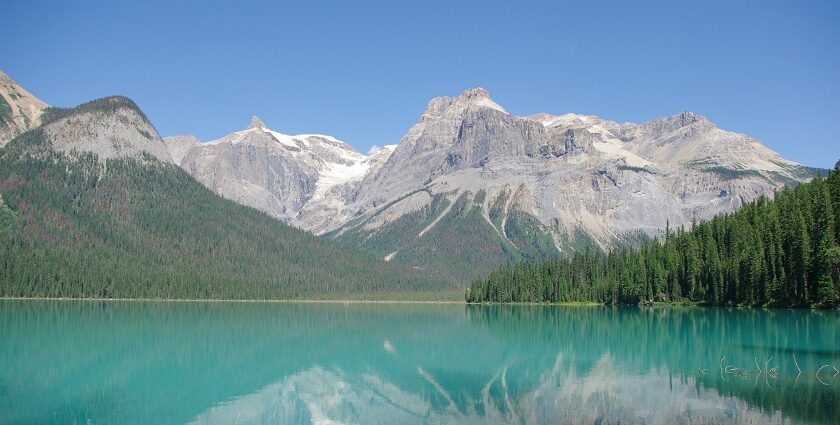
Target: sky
[365,71]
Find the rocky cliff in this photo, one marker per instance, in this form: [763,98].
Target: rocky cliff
[305,180]
[474,183]
[19,110]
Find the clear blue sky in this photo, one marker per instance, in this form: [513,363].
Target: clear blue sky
[364,72]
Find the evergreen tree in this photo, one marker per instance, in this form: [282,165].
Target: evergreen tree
[782,252]
[74,226]
[825,263]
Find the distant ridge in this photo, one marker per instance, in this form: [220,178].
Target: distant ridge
[474,183]
[94,207]
[468,188]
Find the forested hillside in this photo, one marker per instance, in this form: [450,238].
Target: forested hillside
[74,226]
[782,252]
[457,242]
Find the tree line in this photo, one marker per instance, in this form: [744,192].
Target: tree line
[780,252]
[74,226]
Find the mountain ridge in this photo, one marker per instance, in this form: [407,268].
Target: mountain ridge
[575,180]
[19,110]
[279,173]
[523,187]
[88,210]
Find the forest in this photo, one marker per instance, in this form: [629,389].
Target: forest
[74,226]
[773,253]
[461,245]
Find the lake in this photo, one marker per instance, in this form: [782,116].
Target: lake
[118,362]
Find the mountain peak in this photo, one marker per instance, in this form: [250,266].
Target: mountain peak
[256,122]
[110,127]
[480,97]
[469,98]
[689,117]
[19,110]
[475,93]
[5,79]
[681,120]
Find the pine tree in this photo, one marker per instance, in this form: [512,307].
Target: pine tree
[713,270]
[800,259]
[824,265]
[782,253]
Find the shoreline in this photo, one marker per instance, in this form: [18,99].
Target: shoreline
[184,300]
[356,301]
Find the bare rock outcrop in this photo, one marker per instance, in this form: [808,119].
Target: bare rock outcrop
[19,110]
[573,173]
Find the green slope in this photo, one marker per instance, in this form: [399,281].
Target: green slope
[5,111]
[783,252]
[69,228]
[461,244]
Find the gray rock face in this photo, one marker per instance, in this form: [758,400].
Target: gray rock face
[582,172]
[111,127]
[468,181]
[571,172]
[179,146]
[19,110]
[304,180]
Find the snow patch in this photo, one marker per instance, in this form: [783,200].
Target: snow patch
[334,174]
[548,120]
[282,138]
[487,103]
[375,149]
[322,136]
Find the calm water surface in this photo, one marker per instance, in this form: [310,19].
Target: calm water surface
[259,363]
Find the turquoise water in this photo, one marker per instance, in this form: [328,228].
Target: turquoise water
[82,362]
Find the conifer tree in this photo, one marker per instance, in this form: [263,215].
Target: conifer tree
[782,252]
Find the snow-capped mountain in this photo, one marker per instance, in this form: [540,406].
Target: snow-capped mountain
[303,179]
[473,182]
[468,188]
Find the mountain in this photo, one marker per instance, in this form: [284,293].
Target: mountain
[109,128]
[19,110]
[92,204]
[471,187]
[779,253]
[304,180]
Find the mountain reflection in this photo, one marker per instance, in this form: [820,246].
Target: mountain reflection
[220,363]
[603,396]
